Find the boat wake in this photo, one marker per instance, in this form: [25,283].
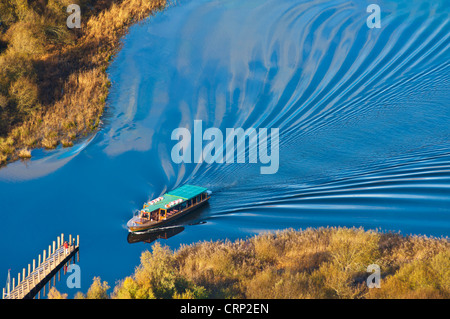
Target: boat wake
[363,113]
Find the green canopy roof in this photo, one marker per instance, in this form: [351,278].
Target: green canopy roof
[185,192]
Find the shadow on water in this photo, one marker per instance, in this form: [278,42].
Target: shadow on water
[154,234]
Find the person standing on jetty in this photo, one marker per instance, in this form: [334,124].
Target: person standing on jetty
[66,247]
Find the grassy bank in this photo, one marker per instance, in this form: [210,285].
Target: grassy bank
[315,263]
[53,82]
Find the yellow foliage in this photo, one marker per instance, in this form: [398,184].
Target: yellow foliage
[3,158]
[55,294]
[98,290]
[258,267]
[130,289]
[266,248]
[354,249]
[315,263]
[25,93]
[21,8]
[3,101]
[24,153]
[422,278]
[27,36]
[14,65]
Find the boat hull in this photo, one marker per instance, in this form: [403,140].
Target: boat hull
[136,228]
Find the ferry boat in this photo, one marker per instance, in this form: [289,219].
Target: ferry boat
[169,207]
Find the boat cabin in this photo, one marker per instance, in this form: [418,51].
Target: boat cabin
[173,202]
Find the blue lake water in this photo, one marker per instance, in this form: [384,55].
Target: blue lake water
[363,116]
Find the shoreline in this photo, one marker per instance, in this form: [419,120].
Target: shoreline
[315,263]
[78,72]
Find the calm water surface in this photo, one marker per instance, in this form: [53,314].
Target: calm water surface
[363,116]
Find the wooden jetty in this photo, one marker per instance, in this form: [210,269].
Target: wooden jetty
[52,261]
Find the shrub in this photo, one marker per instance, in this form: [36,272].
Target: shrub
[49,143]
[25,94]
[440,266]
[3,102]
[3,158]
[58,8]
[7,15]
[273,284]
[58,34]
[98,290]
[266,248]
[423,278]
[24,153]
[354,249]
[129,289]
[21,8]
[14,65]
[6,149]
[27,37]
[158,268]
[55,294]
[66,143]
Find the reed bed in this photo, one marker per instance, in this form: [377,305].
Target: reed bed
[314,263]
[53,81]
